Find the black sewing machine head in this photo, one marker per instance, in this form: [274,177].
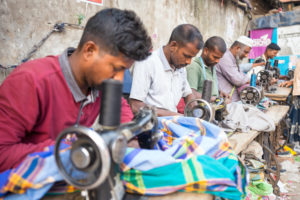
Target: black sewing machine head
[94,155]
[265,76]
[251,95]
[201,108]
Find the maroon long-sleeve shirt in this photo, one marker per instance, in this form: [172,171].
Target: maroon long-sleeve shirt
[36,104]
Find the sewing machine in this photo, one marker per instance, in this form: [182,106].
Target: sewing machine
[265,76]
[92,163]
[253,94]
[201,108]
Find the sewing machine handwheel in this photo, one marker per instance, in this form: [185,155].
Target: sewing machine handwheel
[264,77]
[250,95]
[87,163]
[201,110]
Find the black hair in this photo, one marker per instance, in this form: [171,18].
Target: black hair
[186,33]
[215,42]
[273,46]
[118,31]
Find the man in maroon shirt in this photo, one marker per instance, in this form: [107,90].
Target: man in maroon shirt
[42,97]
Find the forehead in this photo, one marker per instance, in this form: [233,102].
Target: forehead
[190,49]
[215,52]
[118,60]
[273,50]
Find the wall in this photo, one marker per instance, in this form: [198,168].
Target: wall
[25,23]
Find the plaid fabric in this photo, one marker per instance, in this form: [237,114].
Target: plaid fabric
[203,162]
[34,177]
[193,156]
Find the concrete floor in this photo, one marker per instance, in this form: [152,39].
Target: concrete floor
[290,180]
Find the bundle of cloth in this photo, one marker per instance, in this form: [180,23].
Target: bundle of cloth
[192,156]
[244,117]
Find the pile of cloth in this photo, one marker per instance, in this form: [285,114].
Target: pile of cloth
[192,156]
[246,117]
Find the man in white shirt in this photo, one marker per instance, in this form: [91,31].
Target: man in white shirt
[160,80]
[270,52]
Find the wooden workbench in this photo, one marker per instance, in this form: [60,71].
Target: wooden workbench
[280,94]
[240,141]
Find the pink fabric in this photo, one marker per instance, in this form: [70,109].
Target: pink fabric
[261,38]
[180,106]
[35,106]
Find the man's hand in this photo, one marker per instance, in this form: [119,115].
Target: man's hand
[273,81]
[223,94]
[286,84]
[226,97]
[258,64]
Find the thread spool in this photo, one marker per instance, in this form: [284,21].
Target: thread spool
[253,80]
[110,109]
[206,93]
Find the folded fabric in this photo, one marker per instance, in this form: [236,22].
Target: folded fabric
[193,156]
[246,117]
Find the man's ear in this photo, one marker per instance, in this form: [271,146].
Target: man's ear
[173,46]
[205,51]
[89,50]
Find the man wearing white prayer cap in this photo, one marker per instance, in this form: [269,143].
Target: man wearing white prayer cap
[230,77]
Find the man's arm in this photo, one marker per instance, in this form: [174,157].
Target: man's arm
[188,98]
[286,84]
[235,77]
[137,104]
[19,112]
[196,94]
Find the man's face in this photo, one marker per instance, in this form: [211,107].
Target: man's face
[211,56]
[271,53]
[106,66]
[181,56]
[243,52]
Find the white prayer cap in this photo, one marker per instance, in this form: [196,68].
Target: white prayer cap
[245,40]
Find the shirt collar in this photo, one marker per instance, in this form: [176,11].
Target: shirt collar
[231,55]
[72,84]
[164,60]
[198,60]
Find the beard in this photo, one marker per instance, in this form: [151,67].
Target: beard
[208,62]
[238,60]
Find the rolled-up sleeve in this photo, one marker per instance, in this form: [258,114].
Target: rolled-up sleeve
[141,80]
